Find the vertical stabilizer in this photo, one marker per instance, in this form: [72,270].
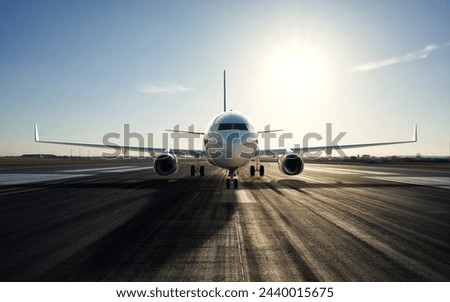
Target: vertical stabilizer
[224,91]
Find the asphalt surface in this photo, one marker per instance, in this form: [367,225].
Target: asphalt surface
[124,223]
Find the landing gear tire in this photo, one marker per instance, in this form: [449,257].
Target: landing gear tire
[232,181]
[192,170]
[261,170]
[252,170]
[202,170]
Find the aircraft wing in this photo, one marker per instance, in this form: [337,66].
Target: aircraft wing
[268,152]
[150,150]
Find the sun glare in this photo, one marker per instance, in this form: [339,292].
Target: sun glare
[299,71]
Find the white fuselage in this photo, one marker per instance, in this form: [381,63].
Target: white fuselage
[230,141]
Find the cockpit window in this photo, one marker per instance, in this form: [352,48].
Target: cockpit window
[240,127]
[229,126]
[225,126]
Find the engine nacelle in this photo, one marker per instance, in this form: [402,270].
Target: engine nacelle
[291,164]
[165,164]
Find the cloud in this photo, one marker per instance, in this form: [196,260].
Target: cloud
[162,87]
[412,56]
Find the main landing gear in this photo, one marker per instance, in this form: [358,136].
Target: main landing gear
[253,170]
[197,167]
[232,180]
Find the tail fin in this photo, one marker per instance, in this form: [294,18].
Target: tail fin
[224,91]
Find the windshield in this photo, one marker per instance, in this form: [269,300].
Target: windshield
[229,126]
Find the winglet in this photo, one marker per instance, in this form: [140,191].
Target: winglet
[224,91]
[36,133]
[415,133]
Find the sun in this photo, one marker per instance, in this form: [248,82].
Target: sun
[299,71]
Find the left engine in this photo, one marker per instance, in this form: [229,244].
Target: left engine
[165,164]
[291,164]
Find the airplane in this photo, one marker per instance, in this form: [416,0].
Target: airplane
[229,142]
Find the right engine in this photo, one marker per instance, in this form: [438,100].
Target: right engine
[291,164]
[165,164]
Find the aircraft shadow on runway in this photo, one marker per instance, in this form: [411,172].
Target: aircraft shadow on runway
[177,220]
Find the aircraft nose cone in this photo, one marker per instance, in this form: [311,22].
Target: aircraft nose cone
[232,152]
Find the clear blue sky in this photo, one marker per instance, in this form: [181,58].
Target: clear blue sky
[81,69]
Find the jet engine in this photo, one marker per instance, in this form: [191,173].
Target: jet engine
[165,164]
[291,164]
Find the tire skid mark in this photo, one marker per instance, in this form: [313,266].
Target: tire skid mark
[369,241]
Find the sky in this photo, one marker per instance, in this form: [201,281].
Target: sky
[83,69]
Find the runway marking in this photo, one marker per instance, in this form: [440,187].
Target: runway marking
[239,195]
[92,169]
[369,172]
[348,171]
[325,170]
[244,196]
[237,225]
[128,169]
[110,169]
[438,182]
[14,179]
[24,178]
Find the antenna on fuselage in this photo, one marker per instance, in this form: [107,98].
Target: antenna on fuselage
[224,91]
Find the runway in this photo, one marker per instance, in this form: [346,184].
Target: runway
[122,222]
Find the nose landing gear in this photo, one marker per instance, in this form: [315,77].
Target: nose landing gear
[232,179]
